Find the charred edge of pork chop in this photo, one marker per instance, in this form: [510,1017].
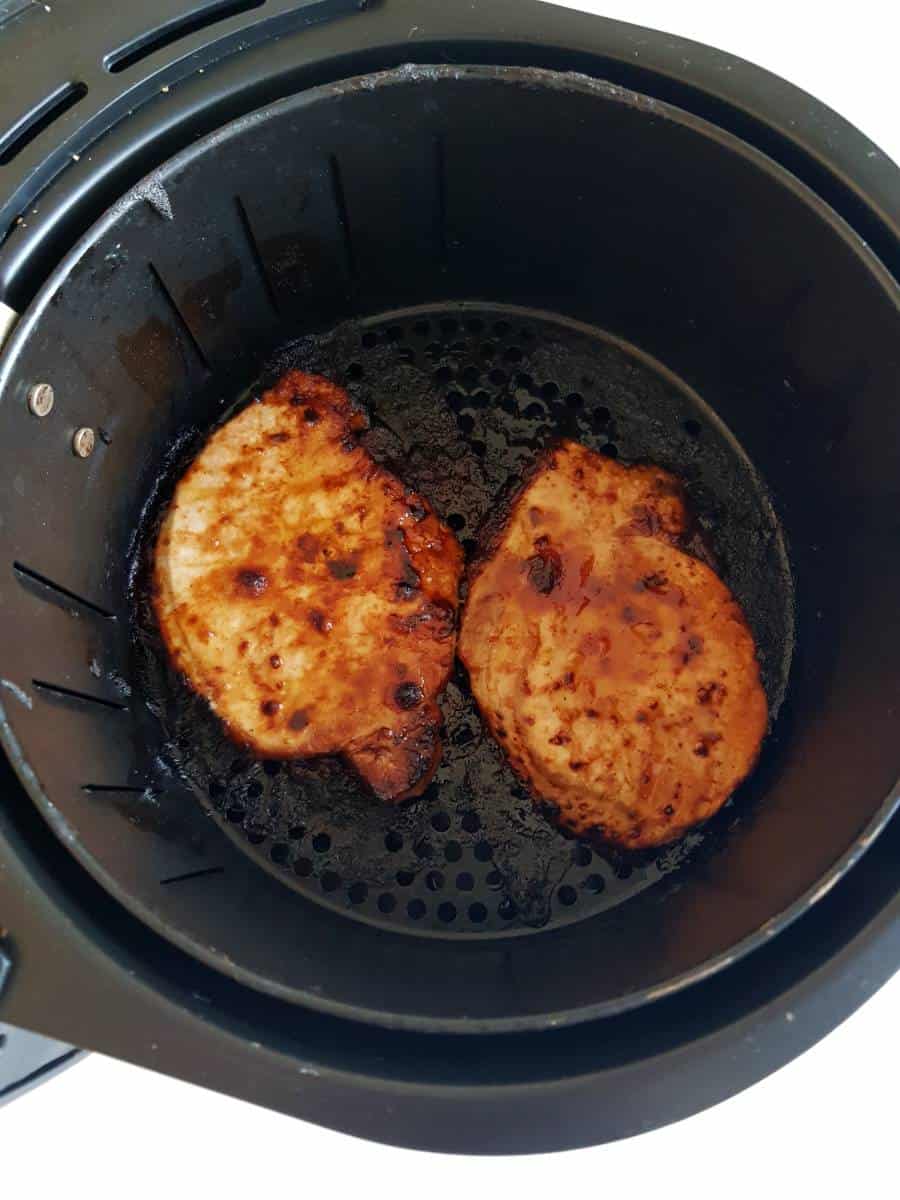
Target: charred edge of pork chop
[412,757]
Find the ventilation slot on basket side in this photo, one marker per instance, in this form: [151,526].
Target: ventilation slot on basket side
[255,254]
[15,140]
[56,691]
[39,585]
[179,316]
[340,203]
[202,874]
[157,39]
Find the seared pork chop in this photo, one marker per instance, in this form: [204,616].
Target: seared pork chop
[616,669]
[307,594]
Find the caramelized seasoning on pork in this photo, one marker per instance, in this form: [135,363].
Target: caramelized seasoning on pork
[615,669]
[307,594]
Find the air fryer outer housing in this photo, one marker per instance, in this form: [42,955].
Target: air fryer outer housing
[132,994]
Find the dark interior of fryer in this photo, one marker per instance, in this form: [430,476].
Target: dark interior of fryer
[500,256]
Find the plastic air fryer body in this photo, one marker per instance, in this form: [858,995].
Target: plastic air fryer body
[702,271]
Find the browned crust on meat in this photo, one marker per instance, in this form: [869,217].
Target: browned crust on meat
[307,594]
[614,667]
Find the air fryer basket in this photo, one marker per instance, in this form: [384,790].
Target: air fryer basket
[486,257]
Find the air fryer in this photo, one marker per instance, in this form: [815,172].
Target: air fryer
[498,244]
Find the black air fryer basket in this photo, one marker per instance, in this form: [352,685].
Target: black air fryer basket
[490,239]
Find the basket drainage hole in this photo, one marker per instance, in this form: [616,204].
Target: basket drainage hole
[594,884]
[611,450]
[600,416]
[303,867]
[416,909]
[280,853]
[507,909]
[456,521]
[357,892]
[477,913]
[434,881]
[550,391]
[272,768]
[296,833]
[393,842]
[386,902]
[321,842]
[405,878]
[447,912]
[465,882]
[355,371]
[575,400]
[483,851]
[235,815]
[494,879]
[453,852]
[471,822]
[567,895]
[255,837]
[330,881]
[441,822]
[582,856]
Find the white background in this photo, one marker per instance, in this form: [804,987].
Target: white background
[827,1123]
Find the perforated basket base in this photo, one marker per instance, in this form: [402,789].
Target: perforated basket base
[461,400]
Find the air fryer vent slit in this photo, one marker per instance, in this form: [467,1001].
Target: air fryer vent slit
[142,47]
[440,164]
[256,256]
[15,140]
[202,874]
[340,203]
[100,789]
[58,691]
[58,592]
[179,316]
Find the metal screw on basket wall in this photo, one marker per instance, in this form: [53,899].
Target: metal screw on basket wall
[40,399]
[83,442]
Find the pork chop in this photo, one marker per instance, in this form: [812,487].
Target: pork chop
[615,668]
[307,594]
